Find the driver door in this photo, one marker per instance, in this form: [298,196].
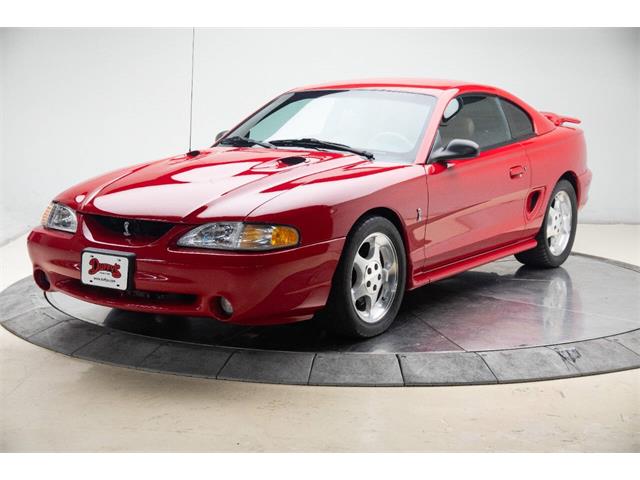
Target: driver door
[477,204]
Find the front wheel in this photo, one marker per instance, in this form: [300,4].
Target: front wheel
[369,283]
[558,230]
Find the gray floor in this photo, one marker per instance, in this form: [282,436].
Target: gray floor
[54,402]
[496,324]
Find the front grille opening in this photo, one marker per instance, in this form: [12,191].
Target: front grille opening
[139,297]
[163,298]
[131,227]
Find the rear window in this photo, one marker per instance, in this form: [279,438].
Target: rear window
[519,122]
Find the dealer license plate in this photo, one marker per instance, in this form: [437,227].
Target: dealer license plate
[105,269]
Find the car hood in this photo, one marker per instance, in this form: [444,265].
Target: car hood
[221,183]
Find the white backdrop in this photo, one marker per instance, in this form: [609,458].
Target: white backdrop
[75,103]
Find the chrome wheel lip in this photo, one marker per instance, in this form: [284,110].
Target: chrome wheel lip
[559,223]
[375,277]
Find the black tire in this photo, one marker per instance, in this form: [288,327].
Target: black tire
[340,315]
[541,256]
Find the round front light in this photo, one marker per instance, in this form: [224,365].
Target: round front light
[225,306]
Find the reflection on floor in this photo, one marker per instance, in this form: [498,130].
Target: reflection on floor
[498,306]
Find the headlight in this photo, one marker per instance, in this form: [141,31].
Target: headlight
[60,217]
[240,236]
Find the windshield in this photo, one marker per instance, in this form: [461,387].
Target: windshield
[388,124]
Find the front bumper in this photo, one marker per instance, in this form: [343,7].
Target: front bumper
[264,288]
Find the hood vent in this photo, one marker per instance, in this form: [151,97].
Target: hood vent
[290,161]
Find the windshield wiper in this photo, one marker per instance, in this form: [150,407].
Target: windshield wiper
[315,143]
[238,141]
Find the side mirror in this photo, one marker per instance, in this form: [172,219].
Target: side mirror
[221,134]
[457,149]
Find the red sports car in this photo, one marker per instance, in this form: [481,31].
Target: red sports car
[332,199]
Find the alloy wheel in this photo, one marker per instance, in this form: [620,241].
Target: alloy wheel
[374,277]
[559,223]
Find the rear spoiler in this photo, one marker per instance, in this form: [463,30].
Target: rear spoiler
[558,120]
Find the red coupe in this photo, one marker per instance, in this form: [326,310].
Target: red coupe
[331,200]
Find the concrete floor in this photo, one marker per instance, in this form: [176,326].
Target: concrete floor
[50,402]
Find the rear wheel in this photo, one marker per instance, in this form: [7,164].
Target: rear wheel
[558,230]
[369,282]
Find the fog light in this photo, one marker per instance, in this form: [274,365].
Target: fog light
[41,280]
[225,306]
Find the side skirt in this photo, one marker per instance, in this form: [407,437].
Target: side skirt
[471,262]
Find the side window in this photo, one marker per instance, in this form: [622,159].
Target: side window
[480,119]
[519,121]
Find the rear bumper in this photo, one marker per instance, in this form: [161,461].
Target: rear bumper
[264,288]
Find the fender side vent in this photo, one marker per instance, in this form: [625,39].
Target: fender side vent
[290,161]
[532,201]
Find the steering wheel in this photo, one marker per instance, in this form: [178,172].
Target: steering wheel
[390,141]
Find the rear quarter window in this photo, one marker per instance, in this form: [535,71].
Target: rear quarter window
[519,121]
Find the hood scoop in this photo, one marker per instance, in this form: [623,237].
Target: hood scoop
[291,161]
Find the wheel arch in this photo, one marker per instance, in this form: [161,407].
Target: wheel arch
[572,178]
[396,220]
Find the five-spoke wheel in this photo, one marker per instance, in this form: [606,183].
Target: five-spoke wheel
[369,282]
[558,230]
[559,223]
[374,277]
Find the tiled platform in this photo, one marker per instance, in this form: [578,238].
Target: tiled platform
[499,323]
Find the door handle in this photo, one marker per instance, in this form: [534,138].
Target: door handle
[517,171]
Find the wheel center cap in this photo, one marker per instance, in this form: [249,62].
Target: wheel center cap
[373,277]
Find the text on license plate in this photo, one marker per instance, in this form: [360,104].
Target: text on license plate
[105,270]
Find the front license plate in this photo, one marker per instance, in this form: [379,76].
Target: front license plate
[106,269]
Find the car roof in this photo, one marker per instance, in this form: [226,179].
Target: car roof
[404,83]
